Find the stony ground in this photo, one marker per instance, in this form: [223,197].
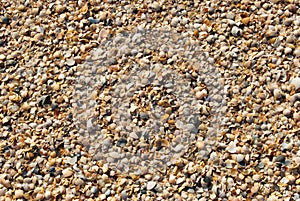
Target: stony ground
[254,45]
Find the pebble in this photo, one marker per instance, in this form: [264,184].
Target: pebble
[67,173]
[296,83]
[235,31]
[277,94]
[239,158]
[19,193]
[280,158]
[102,197]
[71,62]
[155,6]
[151,185]
[174,22]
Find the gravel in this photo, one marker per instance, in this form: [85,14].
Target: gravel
[157,100]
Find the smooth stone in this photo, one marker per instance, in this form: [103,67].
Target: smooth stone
[71,160]
[19,193]
[239,158]
[5,20]
[280,158]
[102,197]
[151,185]
[67,173]
[296,82]
[174,22]
[155,6]
[235,31]
[71,62]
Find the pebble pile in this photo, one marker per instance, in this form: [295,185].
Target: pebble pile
[252,45]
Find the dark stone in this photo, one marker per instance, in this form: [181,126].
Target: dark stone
[94,21]
[46,100]
[242,163]
[280,159]
[5,20]
[52,171]
[144,116]
[121,142]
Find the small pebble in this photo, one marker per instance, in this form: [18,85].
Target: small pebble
[280,158]
[151,185]
[19,193]
[67,173]
[296,83]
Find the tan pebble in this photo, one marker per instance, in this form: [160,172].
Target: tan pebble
[201,94]
[275,1]
[246,20]
[19,193]
[24,93]
[203,127]
[39,196]
[256,177]
[172,179]
[5,120]
[105,168]
[78,182]
[169,110]
[297,182]
[59,8]
[35,11]
[296,52]
[67,173]
[21,8]
[200,145]
[239,119]
[102,197]
[255,188]
[38,37]
[103,15]
[57,54]
[291,178]
[241,177]
[56,86]
[2,57]
[296,116]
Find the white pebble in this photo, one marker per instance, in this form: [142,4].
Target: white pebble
[239,157]
[174,21]
[277,93]
[287,50]
[180,180]
[201,94]
[235,31]
[67,172]
[296,82]
[19,193]
[151,185]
